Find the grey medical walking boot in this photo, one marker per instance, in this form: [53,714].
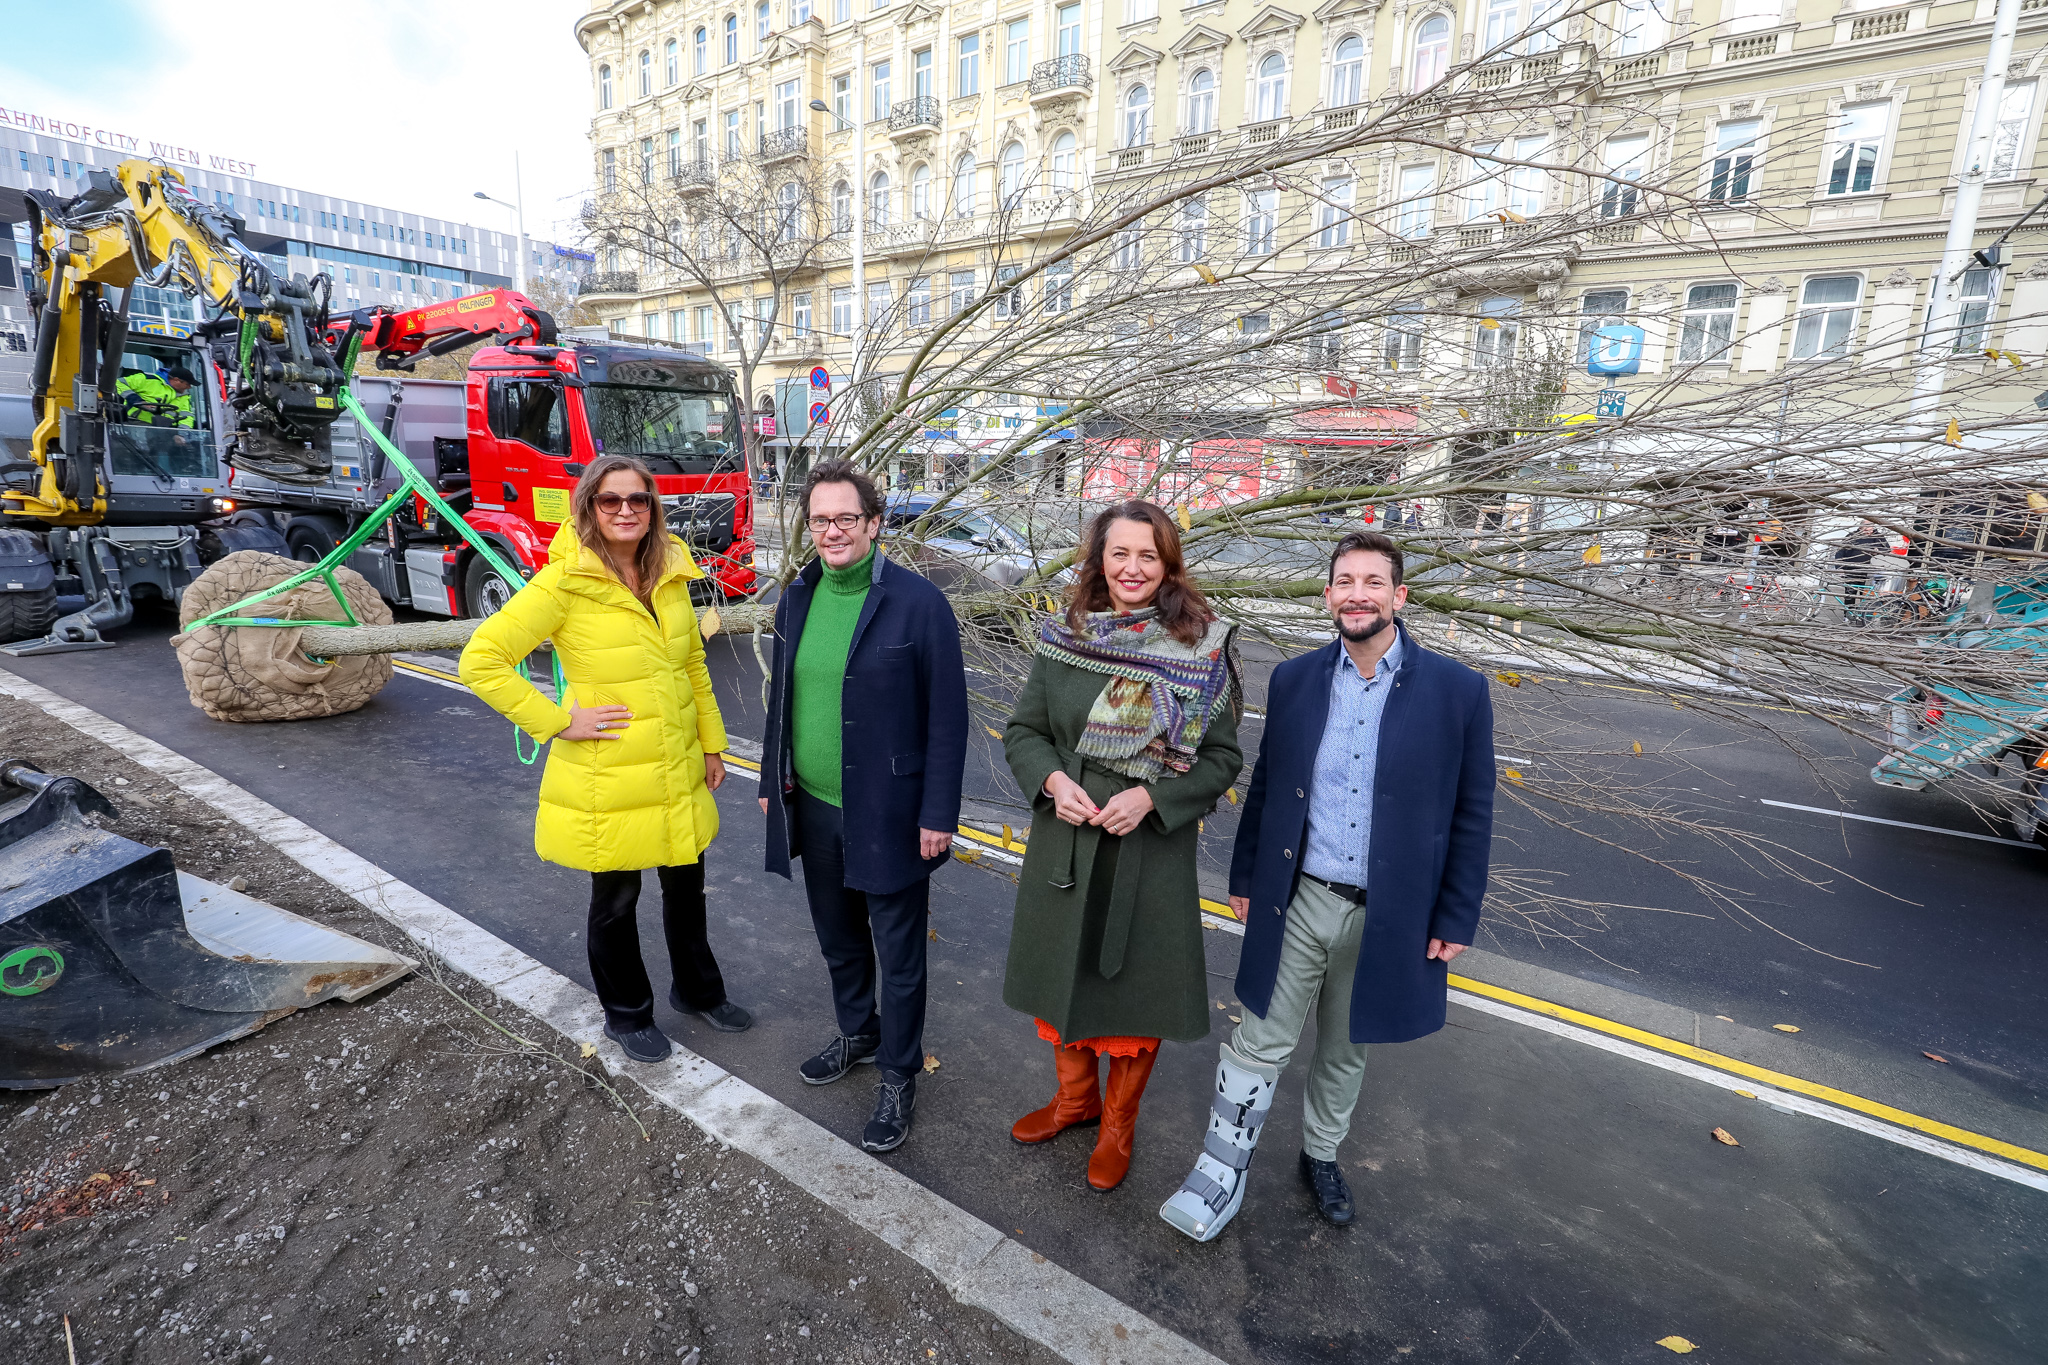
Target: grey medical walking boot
[1214,1191]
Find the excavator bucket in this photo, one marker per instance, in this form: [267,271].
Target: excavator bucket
[112,960]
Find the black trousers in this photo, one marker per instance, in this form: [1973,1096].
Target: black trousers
[858,928]
[614,943]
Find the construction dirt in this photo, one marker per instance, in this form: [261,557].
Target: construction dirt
[399,1179]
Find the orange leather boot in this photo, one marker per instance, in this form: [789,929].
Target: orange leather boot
[1077,1104]
[1112,1158]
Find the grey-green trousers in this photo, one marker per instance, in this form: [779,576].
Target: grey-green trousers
[1318,959]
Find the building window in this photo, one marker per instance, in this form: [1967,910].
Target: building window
[963,186]
[1526,182]
[646,73]
[1482,184]
[786,211]
[800,11]
[1135,12]
[1194,229]
[700,140]
[675,152]
[1270,92]
[2008,137]
[1016,51]
[1417,209]
[1059,286]
[1137,116]
[1707,326]
[1010,175]
[878,200]
[1255,326]
[788,105]
[842,99]
[959,292]
[1009,298]
[921,74]
[970,66]
[1638,27]
[1599,308]
[611,172]
[1066,26]
[1065,164]
[732,39]
[761,25]
[647,161]
[1262,212]
[1347,75]
[1401,343]
[879,79]
[1734,161]
[1202,101]
[1324,349]
[1827,317]
[879,302]
[842,312]
[1432,55]
[917,302]
[1624,159]
[700,51]
[732,135]
[1130,248]
[1493,341]
[671,63]
[1334,214]
[604,87]
[1858,143]
[1977,292]
[800,316]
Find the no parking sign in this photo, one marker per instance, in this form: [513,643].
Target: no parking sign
[821,379]
[820,414]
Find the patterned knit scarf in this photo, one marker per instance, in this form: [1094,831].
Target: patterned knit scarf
[1162,694]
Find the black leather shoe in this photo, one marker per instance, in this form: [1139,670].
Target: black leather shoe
[648,1044]
[890,1123]
[725,1016]
[1333,1197]
[840,1056]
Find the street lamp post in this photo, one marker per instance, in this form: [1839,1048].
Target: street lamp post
[518,207]
[860,207]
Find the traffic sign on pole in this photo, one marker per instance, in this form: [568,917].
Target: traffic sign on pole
[1611,403]
[821,378]
[820,414]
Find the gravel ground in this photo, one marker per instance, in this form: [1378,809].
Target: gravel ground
[402,1179]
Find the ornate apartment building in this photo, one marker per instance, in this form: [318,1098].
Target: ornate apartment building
[1816,146]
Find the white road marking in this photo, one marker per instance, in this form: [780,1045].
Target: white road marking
[1900,824]
[976,1263]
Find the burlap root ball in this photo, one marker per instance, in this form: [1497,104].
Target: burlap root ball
[253,673]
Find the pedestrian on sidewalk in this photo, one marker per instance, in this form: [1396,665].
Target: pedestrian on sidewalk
[1124,737]
[1376,774]
[637,740]
[860,777]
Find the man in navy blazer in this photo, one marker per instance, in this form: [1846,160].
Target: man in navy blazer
[860,777]
[1360,865]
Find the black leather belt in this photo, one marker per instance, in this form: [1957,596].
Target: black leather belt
[1354,894]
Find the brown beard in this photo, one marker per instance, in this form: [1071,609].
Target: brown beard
[1380,623]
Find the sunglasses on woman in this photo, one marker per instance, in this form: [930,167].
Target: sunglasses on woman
[611,504]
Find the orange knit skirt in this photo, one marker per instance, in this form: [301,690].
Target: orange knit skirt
[1104,1047]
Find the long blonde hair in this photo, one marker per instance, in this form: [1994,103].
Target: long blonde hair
[650,556]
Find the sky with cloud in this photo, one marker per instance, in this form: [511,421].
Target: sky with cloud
[412,106]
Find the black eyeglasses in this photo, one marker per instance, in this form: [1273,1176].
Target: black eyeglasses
[845,521]
[611,504]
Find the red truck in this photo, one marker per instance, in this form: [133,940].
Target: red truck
[506,445]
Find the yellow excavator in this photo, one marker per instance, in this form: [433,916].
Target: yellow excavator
[124,494]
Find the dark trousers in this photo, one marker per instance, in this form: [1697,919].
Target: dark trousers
[855,928]
[614,943]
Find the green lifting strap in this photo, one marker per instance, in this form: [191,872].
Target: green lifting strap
[411,482]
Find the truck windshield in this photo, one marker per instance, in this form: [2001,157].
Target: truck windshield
[693,432]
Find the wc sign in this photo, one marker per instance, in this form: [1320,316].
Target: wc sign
[1616,349]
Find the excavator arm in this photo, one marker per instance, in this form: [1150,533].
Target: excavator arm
[139,225]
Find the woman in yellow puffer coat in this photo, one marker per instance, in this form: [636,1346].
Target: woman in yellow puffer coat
[637,739]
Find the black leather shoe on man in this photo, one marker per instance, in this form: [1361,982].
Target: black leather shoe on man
[1326,1180]
[840,1056]
[648,1044]
[725,1016]
[890,1123]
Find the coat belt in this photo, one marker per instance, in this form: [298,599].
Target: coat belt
[1071,855]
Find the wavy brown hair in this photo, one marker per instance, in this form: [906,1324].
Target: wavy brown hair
[650,556]
[1182,608]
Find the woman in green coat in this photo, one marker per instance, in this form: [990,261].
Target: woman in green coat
[1124,737]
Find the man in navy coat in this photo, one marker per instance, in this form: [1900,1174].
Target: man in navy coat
[1360,865]
[860,777]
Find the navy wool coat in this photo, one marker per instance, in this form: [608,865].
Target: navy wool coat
[1432,829]
[903,736]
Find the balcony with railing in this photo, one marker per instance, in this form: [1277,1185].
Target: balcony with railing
[1194,144]
[1260,134]
[695,175]
[785,144]
[1061,75]
[609,282]
[913,117]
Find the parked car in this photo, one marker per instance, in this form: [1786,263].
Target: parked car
[972,545]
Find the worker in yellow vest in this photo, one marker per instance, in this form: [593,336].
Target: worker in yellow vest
[164,401]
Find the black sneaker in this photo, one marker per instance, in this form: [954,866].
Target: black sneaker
[725,1016]
[890,1123]
[840,1056]
[1326,1180]
[648,1044]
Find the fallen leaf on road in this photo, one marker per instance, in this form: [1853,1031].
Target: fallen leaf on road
[1747,1094]
[1233,1018]
[1513,775]
[931,1061]
[1932,1058]
[590,1049]
[1725,1138]
[1008,837]
[1232,794]
[1511,679]
[1637,746]
[1678,1344]
[932,934]
[1724,1018]
[1786,1028]
[993,732]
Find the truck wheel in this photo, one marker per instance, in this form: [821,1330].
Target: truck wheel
[484,591]
[310,541]
[27,615]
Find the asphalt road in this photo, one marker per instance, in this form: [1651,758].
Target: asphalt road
[1523,1197]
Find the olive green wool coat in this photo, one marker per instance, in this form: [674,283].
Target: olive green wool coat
[1107,939]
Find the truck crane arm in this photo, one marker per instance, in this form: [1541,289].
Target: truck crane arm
[401,340]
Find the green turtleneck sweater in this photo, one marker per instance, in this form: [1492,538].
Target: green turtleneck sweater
[820,675]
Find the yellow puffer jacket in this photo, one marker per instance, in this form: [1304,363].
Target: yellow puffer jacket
[610,805]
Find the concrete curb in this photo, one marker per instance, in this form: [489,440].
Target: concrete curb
[977,1264]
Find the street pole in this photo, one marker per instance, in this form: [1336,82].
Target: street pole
[1943,301]
[860,205]
[519,210]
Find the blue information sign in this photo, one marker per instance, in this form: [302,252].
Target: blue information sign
[1616,349]
[1611,403]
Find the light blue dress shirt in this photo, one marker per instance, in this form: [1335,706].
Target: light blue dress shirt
[1340,799]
